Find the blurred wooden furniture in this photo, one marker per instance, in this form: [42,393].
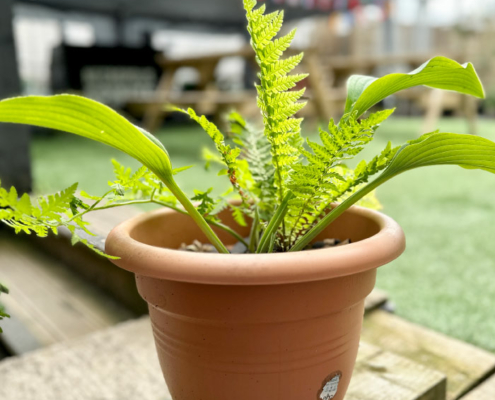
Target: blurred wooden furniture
[206,99]
[362,51]
[329,59]
[209,99]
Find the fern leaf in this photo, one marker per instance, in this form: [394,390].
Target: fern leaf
[53,205]
[325,179]
[256,152]
[276,102]
[238,214]
[228,154]
[51,212]
[77,239]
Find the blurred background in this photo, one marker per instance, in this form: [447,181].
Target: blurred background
[138,56]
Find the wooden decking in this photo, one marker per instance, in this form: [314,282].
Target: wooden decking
[120,363]
[73,345]
[382,375]
[48,302]
[463,365]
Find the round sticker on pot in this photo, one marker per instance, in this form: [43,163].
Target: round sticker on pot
[330,386]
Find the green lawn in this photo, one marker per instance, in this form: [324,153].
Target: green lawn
[445,279]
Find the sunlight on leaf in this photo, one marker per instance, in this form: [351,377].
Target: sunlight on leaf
[93,120]
[439,72]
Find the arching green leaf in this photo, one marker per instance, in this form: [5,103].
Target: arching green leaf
[467,151]
[93,120]
[440,72]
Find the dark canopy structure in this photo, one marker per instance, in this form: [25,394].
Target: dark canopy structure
[218,14]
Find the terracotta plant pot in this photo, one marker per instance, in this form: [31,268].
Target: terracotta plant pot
[281,326]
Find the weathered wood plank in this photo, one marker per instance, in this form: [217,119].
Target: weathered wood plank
[121,364]
[114,281]
[380,375]
[485,391]
[16,337]
[376,298]
[48,300]
[463,364]
[115,364]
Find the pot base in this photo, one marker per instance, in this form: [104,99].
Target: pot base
[290,342]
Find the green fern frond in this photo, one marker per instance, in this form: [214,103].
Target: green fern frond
[353,181]
[256,152]
[52,206]
[239,215]
[277,103]
[78,239]
[65,209]
[229,155]
[206,203]
[324,179]
[45,215]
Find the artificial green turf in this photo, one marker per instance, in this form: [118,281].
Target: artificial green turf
[446,278]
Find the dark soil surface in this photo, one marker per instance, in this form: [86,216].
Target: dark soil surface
[239,247]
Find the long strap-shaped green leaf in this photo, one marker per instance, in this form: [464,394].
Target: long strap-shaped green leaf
[467,151]
[440,72]
[93,120]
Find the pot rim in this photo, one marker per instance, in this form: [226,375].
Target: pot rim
[256,269]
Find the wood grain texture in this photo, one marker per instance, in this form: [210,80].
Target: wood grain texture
[376,298]
[380,375]
[49,301]
[463,364]
[485,391]
[119,363]
[116,282]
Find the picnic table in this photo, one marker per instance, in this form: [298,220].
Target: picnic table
[326,92]
[207,98]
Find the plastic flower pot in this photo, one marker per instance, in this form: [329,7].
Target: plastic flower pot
[255,326]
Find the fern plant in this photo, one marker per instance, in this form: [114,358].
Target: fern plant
[287,190]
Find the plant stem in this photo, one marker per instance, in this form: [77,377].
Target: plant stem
[196,216]
[254,235]
[337,212]
[180,210]
[275,222]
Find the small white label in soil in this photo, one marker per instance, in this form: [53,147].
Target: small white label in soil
[330,389]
